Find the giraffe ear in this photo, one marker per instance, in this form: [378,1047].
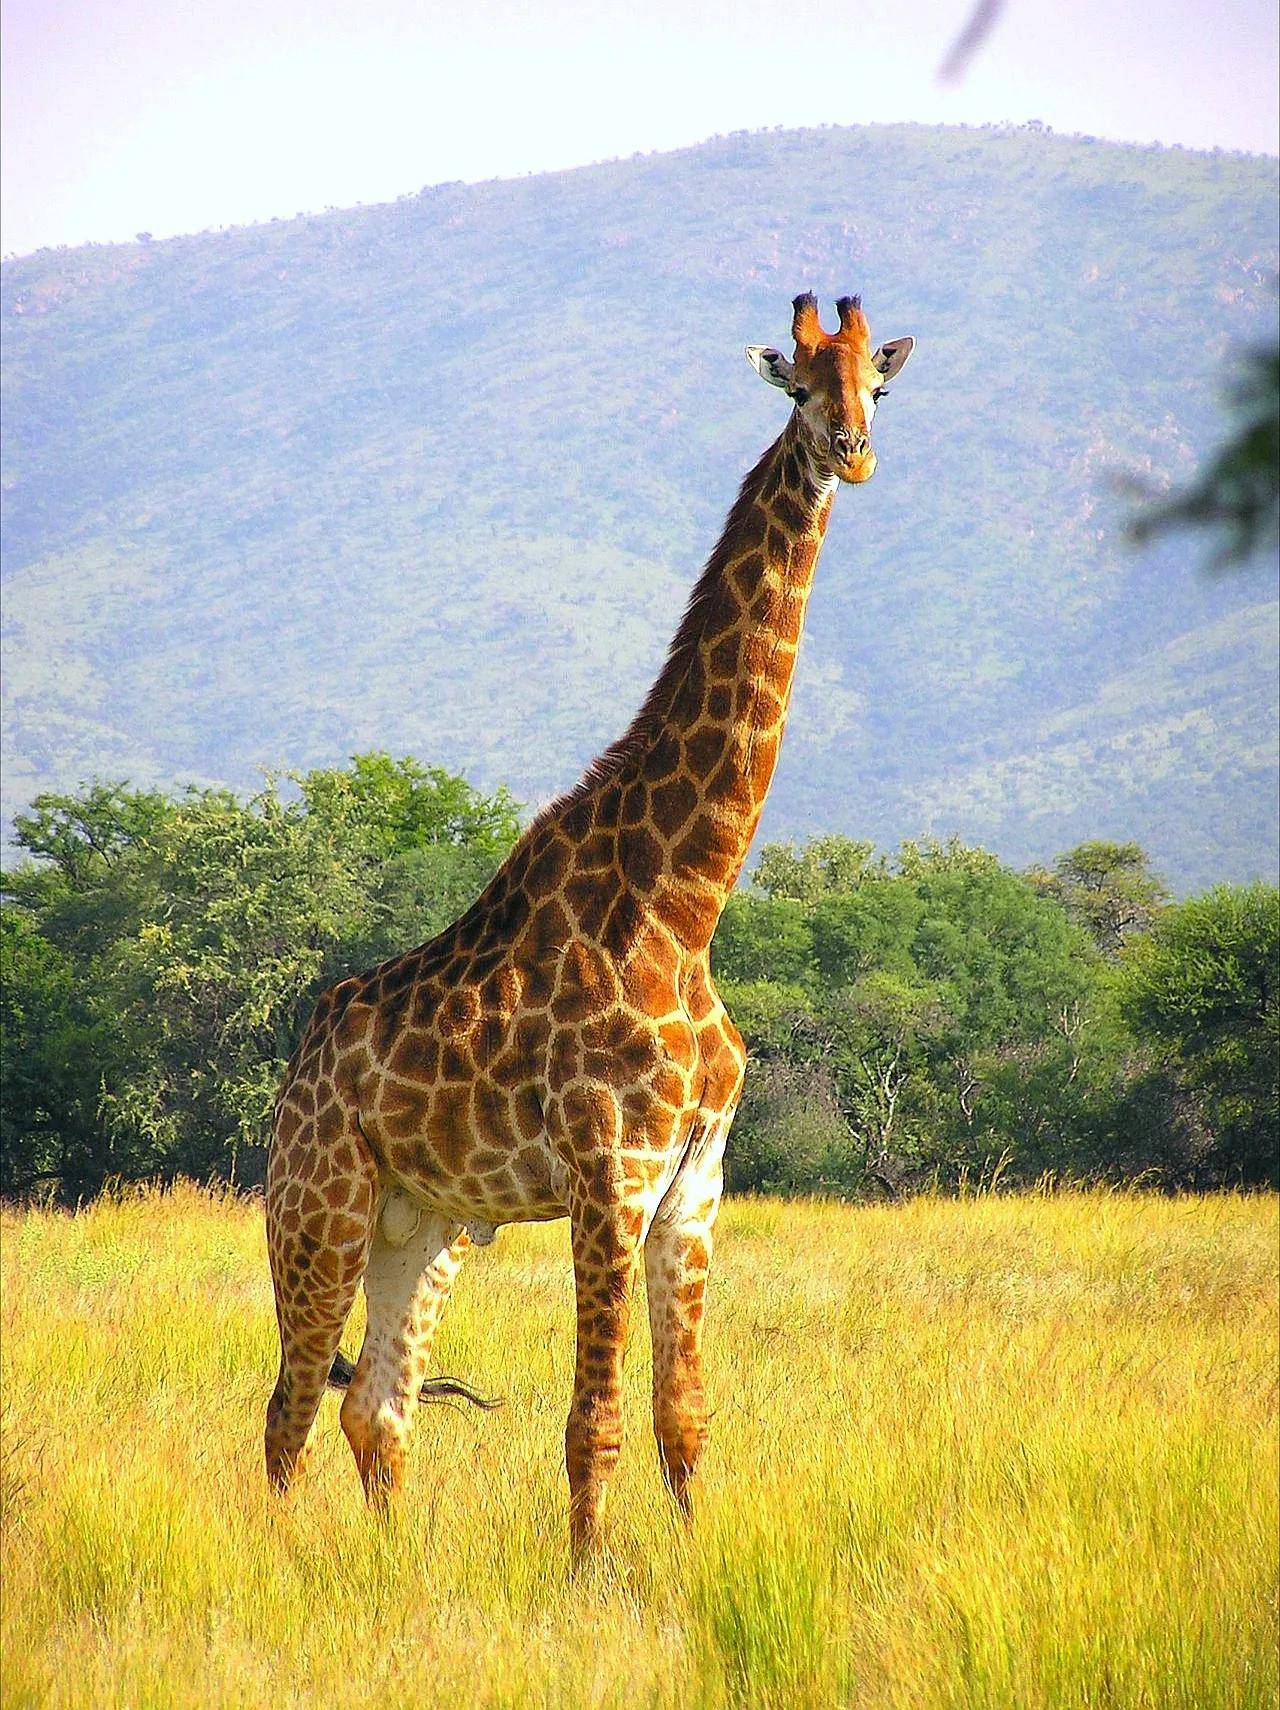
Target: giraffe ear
[772,366]
[891,357]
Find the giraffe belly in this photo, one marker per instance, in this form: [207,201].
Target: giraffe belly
[484,1185]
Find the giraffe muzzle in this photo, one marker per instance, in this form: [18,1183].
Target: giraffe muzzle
[852,456]
[847,445]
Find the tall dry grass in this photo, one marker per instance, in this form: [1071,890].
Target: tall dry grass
[996,1452]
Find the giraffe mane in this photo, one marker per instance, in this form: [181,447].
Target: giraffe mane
[649,721]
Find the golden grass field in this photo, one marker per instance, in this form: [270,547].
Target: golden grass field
[1001,1451]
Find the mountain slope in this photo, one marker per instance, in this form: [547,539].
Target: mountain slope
[434,476]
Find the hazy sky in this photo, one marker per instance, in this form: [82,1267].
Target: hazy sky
[128,115]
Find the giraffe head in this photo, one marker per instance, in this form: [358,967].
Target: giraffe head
[836,380]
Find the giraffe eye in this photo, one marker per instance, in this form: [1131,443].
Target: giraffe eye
[801,395]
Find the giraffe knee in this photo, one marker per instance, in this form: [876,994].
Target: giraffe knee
[354,1419]
[681,1432]
[592,1441]
[282,1450]
[377,1441]
[592,1444]
[280,1465]
[595,1425]
[283,1465]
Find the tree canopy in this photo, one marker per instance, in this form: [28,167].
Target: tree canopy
[161,954]
[929,1015]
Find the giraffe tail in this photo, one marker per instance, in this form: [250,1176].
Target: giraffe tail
[443,1389]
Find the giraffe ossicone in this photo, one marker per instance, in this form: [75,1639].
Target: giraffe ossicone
[561,1049]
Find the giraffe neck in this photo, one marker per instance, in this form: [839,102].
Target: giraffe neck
[700,755]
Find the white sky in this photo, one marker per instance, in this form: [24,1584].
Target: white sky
[174,115]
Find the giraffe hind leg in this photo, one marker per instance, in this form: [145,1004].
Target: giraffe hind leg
[677,1263]
[412,1264]
[320,1199]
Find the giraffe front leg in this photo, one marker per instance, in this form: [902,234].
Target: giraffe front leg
[319,1205]
[606,1240]
[415,1256]
[677,1260]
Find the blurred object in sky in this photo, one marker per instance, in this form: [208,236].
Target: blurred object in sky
[1237,494]
[982,20]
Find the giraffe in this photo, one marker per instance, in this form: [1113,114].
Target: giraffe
[561,1049]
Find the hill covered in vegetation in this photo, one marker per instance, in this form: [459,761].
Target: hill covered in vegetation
[434,477]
